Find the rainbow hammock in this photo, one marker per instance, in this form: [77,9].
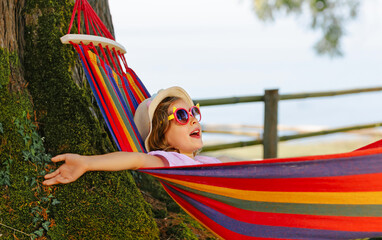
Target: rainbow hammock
[317,197]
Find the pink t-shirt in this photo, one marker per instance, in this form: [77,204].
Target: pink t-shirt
[177,159]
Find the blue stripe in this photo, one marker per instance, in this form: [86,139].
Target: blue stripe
[118,93]
[301,169]
[264,231]
[129,92]
[141,84]
[97,97]
[130,95]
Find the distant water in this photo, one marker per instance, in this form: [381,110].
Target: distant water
[328,112]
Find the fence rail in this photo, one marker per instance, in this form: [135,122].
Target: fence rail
[290,137]
[271,98]
[260,98]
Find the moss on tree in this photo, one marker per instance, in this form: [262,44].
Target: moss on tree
[16,195]
[97,206]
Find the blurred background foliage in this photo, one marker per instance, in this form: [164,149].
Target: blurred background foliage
[327,16]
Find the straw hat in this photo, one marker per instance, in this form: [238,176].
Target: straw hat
[145,111]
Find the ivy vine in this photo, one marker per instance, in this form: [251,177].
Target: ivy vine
[5,172]
[34,153]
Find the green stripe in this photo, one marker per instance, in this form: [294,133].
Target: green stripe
[118,105]
[119,80]
[355,210]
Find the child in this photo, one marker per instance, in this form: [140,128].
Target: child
[169,125]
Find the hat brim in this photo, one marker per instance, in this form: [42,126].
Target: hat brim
[162,94]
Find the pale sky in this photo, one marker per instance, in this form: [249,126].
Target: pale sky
[196,42]
[217,48]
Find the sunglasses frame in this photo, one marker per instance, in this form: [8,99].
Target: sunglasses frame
[189,112]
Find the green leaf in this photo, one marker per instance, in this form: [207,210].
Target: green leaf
[35,210]
[21,132]
[26,139]
[1,128]
[33,182]
[33,152]
[17,122]
[55,202]
[26,155]
[39,232]
[36,219]
[45,225]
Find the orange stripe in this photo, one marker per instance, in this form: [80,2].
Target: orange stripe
[93,58]
[368,198]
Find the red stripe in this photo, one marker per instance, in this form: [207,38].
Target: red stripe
[137,83]
[124,143]
[83,57]
[213,226]
[361,224]
[101,93]
[324,157]
[112,60]
[130,122]
[132,90]
[123,60]
[300,159]
[353,183]
[124,87]
[104,54]
[377,144]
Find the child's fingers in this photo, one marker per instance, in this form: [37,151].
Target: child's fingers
[52,175]
[59,158]
[56,180]
[50,181]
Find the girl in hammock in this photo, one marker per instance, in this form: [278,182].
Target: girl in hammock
[169,125]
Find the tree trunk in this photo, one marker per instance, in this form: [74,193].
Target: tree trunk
[35,65]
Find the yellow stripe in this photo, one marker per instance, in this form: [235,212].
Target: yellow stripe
[93,58]
[117,79]
[136,89]
[287,197]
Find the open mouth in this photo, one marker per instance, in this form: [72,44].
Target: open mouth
[195,133]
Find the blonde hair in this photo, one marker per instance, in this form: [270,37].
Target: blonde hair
[160,125]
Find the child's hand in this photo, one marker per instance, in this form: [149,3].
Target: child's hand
[71,170]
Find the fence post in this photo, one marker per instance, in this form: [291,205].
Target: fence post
[270,138]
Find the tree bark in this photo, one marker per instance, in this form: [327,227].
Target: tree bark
[39,85]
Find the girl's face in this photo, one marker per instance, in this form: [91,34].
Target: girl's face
[186,138]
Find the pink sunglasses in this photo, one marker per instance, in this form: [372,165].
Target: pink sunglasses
[182,116]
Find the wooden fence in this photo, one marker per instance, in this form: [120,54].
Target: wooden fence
[270,136]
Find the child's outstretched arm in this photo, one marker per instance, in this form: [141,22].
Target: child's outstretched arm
[76,165]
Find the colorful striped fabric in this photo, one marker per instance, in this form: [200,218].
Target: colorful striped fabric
[317,197]
[117,96]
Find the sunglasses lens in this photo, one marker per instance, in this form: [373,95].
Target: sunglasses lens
[196,113]
[182,116]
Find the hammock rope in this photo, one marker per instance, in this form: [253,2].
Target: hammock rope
[335,196]
[117,89]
